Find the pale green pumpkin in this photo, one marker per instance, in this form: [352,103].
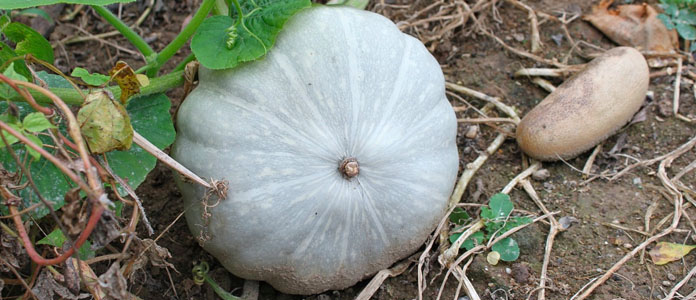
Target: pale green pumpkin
[340,83]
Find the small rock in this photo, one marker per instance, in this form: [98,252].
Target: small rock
[520,272]
[671,277]
[627,246]
[472,132]
[650,95]
[549,186]
[664,108]
[557,38]
[567,221]
[508,270]
[518,37]
[667,283]
[541,175]
[638,182]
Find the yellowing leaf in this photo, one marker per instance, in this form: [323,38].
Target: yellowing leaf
[665,252]
[142,79]
[124,75]
[104,123]
[493,257]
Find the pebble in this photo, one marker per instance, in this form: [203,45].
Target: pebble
[637,181]
[472,132]
[520,272]
[671,277]
[667,283]
[508,270]
[541,175]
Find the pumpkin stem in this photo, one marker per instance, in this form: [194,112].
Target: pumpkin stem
[349,167]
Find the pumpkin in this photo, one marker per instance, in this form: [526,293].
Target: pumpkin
[338,148]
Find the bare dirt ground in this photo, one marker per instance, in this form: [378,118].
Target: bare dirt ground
[475,60]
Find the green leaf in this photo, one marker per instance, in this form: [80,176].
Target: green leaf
[459,216]
[6,91]
[500,207]
[11,139]
[7,53]
[686,31]
[359,4]
[29,41]
[15,4]
[220,43]
[514,222]
[117,208]
[36,122]
[670,8]
[53,80]
[36,12]
[475,239]
[85,252]
[686,16]
[667,21]
[35,154]
[508,249]
[55,239]
[92,79]
[4,20]
[150,118]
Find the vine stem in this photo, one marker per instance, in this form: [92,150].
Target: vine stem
[238,8]
[92,188]
[181,38]
[97,208]
[75,134]
[72,96]
[27,96]
[126,31]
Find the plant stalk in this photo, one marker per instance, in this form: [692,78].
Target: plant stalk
[182,38]
[126,31]
[73,97]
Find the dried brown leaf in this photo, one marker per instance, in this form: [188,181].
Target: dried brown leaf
[47,287]
[105,123]
[634,25]
[12,252]
[124,75]
[108,228]
[89,278]
[114,284]
[73,217]
[147,250]
[71,277]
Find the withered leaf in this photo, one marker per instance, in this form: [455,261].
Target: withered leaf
[127,80]
[634,25]
[665,252]
[104,123]
[12,252]
[147,250]
[73,217]
[106,231]
[113,283]
[46,287]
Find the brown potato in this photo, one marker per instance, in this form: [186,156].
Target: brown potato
[586,108]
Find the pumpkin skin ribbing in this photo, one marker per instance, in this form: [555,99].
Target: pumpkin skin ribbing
[339,83]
